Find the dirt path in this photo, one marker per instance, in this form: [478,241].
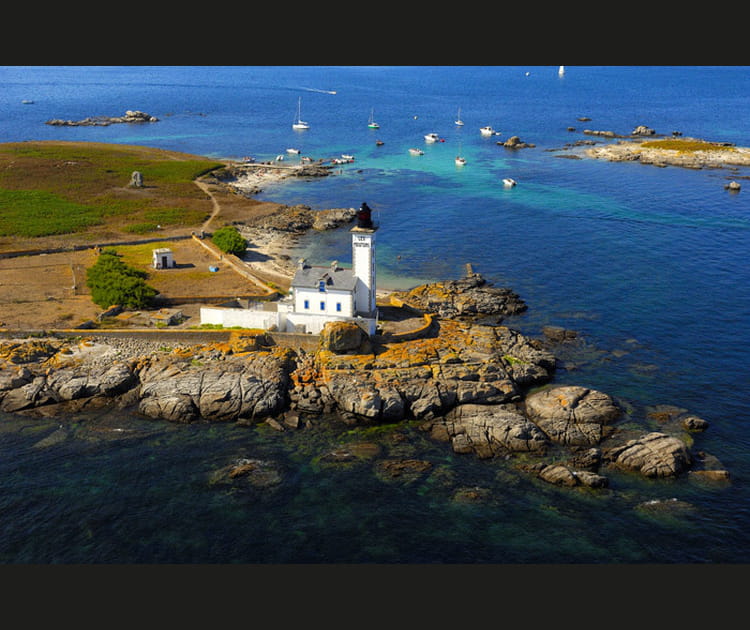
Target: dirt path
[214,202]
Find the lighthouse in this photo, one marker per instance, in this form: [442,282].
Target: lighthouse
[363,262]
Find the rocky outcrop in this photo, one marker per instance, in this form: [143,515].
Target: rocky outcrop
[466,383]
[239,388]
[690,153]
[470,297]
[463,363]
[652,455]
[489,431]
[571,415]
[23,389]
[301,218]
[131,116]
[514,142]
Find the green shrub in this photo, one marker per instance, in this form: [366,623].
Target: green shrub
[229,240]
[113,282]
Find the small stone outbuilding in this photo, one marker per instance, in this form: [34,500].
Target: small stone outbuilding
[163,258]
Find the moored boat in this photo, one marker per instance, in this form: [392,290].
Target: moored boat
[509,182]
[431,137]
[487,131]
[299,123]
[416,151]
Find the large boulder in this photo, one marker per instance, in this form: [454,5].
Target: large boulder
[489,430]
[341,337]
[653,455]
[572,415]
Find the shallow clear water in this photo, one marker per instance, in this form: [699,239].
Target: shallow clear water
[648,264]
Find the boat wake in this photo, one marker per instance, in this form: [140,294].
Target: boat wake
[319,91]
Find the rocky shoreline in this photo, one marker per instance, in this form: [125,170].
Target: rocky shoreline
[482,389]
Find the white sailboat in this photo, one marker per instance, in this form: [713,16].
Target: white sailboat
[371,123]
[459,122]
[299,123]
[561,71]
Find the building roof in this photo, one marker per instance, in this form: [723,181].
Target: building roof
[336,278]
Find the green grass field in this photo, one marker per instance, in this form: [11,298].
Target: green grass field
[54,188]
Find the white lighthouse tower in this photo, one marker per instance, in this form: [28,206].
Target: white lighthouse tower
[363,262]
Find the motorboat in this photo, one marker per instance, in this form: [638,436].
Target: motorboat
[487,131]
[508,182]
[432,137]
[416,151]
[346,156]
[460,161]
[292,150]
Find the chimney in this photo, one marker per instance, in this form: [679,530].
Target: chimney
[334,265]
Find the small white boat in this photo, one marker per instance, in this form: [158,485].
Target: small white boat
[371,123]
[459,122]
[299,123]
[292,150]
[279,158]
[487,131]
[27,102]
[432,137]
[416,151]
[460,161]
[561,71]
[508,182]
[346,156]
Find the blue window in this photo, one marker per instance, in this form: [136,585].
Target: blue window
[322,306]
[338,306]
[307,304]
[322,286]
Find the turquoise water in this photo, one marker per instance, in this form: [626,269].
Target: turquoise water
[648,264]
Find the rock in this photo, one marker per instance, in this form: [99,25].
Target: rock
[426,377]
[694,423]
[131,116]
[341,337]
[653,455]
[558,334]
[711,475]
[470,297]
[243,388]
[253,472]
[733,186]
[572,415]
[472,495]
[558,475]
[406,470]
[489,430]
[514,142]
[642,130]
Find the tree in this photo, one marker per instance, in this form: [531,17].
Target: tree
[113,282]
[229,240]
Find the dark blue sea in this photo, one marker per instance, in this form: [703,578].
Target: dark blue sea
[650,266]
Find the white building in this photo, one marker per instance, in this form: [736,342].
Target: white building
[319,294]
[162,258]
